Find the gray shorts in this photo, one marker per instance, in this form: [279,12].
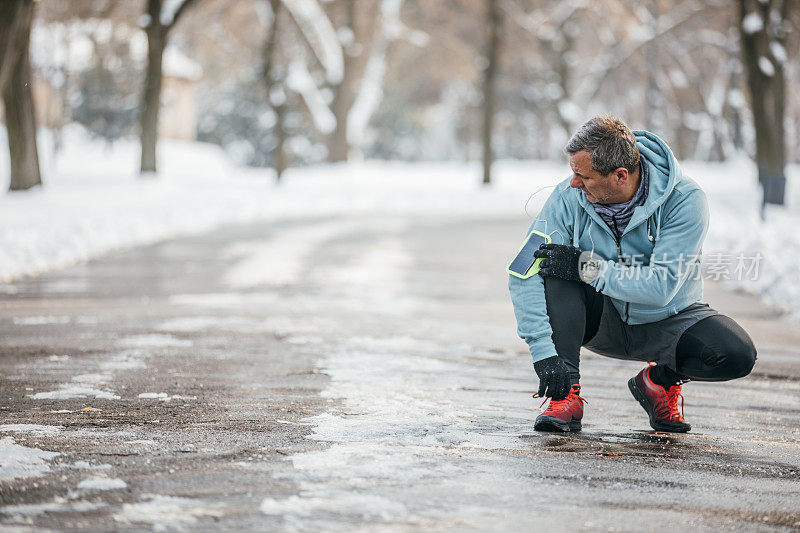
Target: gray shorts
[654,342]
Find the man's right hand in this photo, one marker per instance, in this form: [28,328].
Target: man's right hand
[553,378]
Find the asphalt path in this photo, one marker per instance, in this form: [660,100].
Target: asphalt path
[356,374]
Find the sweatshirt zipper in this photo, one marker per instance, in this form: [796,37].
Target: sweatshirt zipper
[618,238]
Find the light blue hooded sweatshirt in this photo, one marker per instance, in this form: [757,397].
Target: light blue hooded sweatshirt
[651,274]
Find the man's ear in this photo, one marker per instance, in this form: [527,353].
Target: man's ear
[621,173]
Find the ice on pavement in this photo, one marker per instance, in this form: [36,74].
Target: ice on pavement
[86,465]
[101,483]
[40,320]
[32,429]
[166,511]
[297,508]
[82,386]
[277,261]
[66,392]
[416,416]
[154,395]
[417,420]
[59,505]
[164,397]
[22,462]
[155,340]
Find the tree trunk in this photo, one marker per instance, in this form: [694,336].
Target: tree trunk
[272,81]
[492,52]
[766,93]
[18,99]
[652,98]
[338,148]
[345,95]
[156,42]
[13,19]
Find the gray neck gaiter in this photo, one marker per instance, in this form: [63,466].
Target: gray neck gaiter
[617,216]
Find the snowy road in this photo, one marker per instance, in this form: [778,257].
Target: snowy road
[356,374]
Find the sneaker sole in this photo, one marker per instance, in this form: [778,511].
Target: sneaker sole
[658,426]
[551,423]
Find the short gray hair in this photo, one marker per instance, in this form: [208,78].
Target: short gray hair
[609,141]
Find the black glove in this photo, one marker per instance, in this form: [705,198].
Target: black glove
[559,260]
[553,378]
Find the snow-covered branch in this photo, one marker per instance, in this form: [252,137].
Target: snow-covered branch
[318,31]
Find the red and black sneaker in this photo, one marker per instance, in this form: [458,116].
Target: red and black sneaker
[562,415]
[660,403]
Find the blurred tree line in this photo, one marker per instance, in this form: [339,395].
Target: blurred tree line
[295,82]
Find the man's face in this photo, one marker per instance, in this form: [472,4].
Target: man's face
[598,189]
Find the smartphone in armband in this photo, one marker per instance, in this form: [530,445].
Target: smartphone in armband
[524,265]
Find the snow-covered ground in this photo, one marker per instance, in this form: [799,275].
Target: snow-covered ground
[94,201]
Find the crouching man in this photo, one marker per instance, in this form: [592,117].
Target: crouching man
[621,277]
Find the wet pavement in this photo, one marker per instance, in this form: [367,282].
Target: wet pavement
[356,374]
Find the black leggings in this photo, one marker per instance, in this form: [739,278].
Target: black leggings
[714,349]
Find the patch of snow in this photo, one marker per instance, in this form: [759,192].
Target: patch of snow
[296,339]
[300,81]
[178,65]
[215,323]
[96,202]
[217,299]
[409,419]
[127,360]
[58,358]
[154,340]
[191,323]
[383,264]
[101,483]
[766,66]
[58,505]
[164,397]
[168,10]
[752,23]
[67,392]
[167,511]
[32,429]
[83,386]
[40,320]
[21,462]
[296,509]
[85,465]
[736,98]
[371,90]
[90,379]
[156,395]
[280,260]
[778,52]
[321,36]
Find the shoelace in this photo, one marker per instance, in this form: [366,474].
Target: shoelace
[669,409]
[557,404]
[673,394]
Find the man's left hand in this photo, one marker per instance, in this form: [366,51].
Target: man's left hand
[559,260]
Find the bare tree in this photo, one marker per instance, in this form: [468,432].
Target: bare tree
[161,17]
[15,84]
[345,91]
[274,86]
[350,43]
[493,28]
[763,27]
